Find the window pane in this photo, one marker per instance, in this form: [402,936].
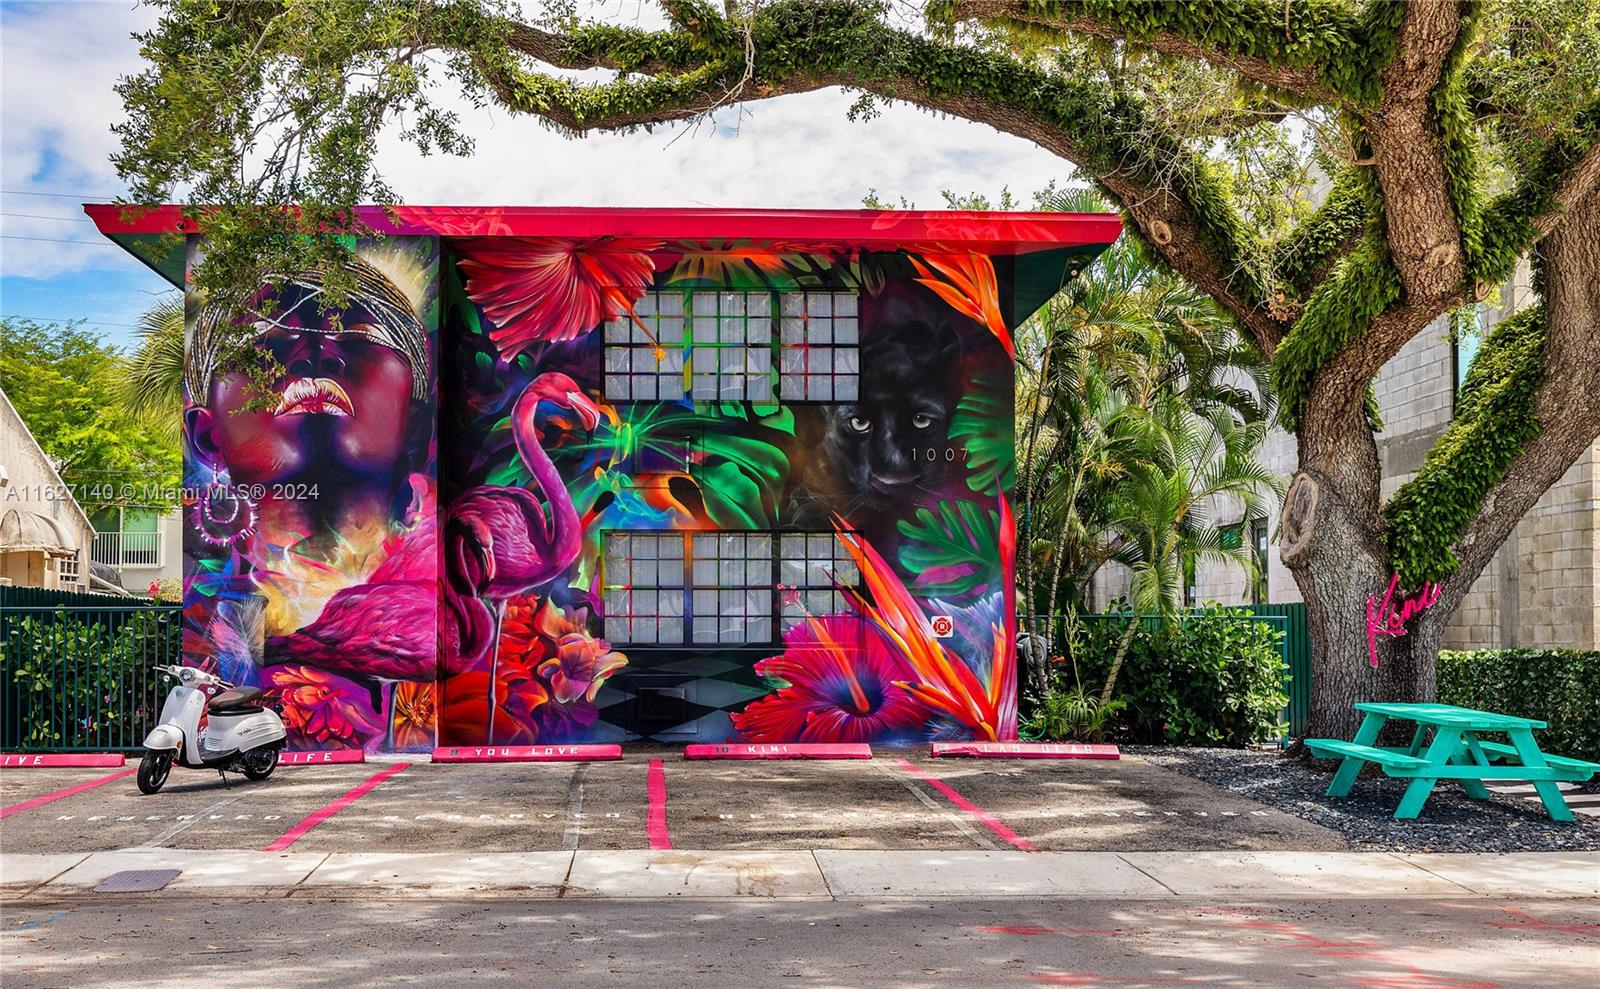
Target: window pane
[705,304]
[705,629]
[671,630]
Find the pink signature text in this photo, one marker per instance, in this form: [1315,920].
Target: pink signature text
[1385,618]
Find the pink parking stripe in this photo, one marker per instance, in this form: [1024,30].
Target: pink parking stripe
[987,819]
[69,791]
[656,826]
[321,814]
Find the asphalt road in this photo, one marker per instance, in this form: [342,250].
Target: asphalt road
[893,801]
[353,943]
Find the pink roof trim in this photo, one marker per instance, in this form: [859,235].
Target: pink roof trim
[985,232]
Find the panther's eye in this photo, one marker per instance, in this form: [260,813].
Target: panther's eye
[859,424]
[921,420]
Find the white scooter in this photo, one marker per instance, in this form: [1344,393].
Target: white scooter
[240,735]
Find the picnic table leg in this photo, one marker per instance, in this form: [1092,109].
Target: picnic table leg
[1350,768]
[1471,754]
[1445,743]
[1528,751]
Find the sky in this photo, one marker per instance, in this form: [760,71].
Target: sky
[59,63]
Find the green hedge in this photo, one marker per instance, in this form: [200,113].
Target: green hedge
[1561,686]
[1213,677]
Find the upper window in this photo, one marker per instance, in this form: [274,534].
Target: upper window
[720,346]
[821,357]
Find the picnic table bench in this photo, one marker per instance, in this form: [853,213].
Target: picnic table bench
[1446,746]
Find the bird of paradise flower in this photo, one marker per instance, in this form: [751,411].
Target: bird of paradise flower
[879,670]
[970,286]
[944,683]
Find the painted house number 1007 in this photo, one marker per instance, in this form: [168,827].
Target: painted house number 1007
[933,454]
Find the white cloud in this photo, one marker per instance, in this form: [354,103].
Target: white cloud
[60,62]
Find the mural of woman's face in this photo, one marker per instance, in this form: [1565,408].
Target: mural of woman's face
[338,409]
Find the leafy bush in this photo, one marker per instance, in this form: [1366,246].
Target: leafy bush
[1212,677]
[1561,686]
[1071,715]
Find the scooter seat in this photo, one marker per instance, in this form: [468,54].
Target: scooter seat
[230,700]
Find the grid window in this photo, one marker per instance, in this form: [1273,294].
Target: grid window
[729,581]
[633,372]
[808,566]
[643,590]
[820,357]
[732,581]
[719,350]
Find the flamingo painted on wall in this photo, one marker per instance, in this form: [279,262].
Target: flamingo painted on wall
[502,542]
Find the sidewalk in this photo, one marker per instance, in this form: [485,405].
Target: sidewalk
[823,874]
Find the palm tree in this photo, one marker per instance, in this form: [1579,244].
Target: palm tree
[1162,509]
[152,383]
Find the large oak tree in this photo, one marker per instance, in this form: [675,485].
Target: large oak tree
[1458,138]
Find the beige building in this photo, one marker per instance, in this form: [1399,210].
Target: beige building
[1542,588]
[45,537]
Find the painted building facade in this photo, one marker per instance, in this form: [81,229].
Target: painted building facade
[603,475]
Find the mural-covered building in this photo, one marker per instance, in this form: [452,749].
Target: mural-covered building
[611,474]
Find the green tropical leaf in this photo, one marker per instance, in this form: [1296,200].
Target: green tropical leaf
[952,553]
[984,425]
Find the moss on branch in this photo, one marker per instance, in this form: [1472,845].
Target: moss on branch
[1494,420]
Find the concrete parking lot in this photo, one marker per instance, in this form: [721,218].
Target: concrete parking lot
[897,800]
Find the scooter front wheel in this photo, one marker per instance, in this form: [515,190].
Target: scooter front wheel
[259,763]
[153,771]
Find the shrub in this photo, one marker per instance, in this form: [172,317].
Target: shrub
[1211,677]
[1071,714]
[1560,686]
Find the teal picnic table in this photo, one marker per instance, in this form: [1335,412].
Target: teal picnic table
[1447,746]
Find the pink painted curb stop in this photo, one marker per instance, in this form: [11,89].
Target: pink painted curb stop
[527,753]
[1026,750]
[328,758]
[797,750]
[57,760]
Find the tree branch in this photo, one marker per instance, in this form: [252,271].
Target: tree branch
[1256,39]
[801,47]
[1564,405]
[1419,215]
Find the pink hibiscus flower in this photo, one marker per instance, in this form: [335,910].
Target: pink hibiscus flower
[550,289]
[841,687]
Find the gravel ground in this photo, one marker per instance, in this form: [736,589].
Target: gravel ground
[1450,822]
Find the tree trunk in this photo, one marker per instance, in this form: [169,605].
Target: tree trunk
[1116,663]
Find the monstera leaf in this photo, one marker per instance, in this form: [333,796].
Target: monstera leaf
[985,426]
[954,552]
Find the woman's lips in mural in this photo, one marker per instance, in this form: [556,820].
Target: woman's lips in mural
[314,396]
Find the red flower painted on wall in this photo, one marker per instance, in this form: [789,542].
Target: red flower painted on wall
[322,710]
[551,289]
[842,684]
[467,718]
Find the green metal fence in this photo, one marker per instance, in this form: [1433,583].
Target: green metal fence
[1297,656]
[75,669]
